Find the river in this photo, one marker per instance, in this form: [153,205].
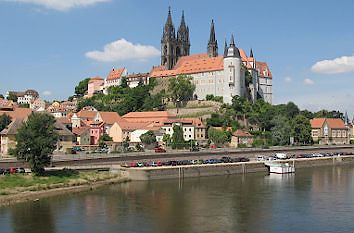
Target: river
[312,200]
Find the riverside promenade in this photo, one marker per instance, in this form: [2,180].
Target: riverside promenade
[83,159]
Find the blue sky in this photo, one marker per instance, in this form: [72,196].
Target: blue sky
[46,44]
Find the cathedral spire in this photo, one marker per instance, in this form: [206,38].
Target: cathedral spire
[168,43]
[183,45]
[251,53]
[213,43]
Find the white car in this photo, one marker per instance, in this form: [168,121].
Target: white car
[281,156]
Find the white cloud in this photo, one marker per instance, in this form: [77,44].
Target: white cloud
[308,81]
[336,66]
[61,5]
[288,79]
[123,50]
[47,93]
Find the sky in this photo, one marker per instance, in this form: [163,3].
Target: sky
[50,45]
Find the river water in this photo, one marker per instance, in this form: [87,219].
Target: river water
[312,200]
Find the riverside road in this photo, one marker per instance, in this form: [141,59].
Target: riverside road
[81,159]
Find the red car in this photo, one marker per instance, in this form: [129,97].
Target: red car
[160,150]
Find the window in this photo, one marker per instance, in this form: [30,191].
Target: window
[190,130]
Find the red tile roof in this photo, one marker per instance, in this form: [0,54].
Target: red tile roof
[79,130]
[241,133]
[317,123]
[115,74]
[97,78]
[263,69]
[336,123]
[197,63]
[148,116]
[87,115]
[333,123]
[110,117]
[18,113]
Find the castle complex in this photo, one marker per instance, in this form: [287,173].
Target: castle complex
[227,75]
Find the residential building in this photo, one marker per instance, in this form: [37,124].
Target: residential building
[38,105]
[17,113]
[82,135]
[95,85]
[265,81]
[114,78]
[241,138]
[329,131]
[193,128]
[25,97]
[8,136]
[66,138]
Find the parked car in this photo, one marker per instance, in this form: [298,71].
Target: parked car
[20,170]
[133,164]
[12,170]
[226,159]
[2,171]
[281,156]
[243,159]
[160,150]
[194,149]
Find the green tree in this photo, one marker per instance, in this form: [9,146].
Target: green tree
[81,88]
[217,136]
[280,132]
[177,141]
[301,130]
[148,138]
[102,142]
[166,138]
[2,96]
[124,83]
[12,97]
[5,120]
[24,106]
[181,89]
[36,140]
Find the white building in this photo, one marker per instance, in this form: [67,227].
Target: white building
[220,75]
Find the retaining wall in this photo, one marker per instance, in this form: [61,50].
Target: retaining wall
[154,173]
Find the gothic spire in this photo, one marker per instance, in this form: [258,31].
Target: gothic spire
[251,53]
[169,29]
[232,41]
[225,49]
[213,43]
[212,38]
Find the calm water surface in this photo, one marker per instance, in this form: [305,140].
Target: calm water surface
[313,200]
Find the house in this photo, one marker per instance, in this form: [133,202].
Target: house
[37,105]
[8,136]
[329,131]
[108,118]
[25,97]
[66,138]
[240,137]
[82,135]
[95,85]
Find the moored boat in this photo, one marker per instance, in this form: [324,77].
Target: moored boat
[280,168]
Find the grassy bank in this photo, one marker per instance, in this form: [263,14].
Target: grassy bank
[20,183]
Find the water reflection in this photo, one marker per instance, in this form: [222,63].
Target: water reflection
[318,199]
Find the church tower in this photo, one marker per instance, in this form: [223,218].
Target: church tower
[168,44]
[183,43]
[213,43]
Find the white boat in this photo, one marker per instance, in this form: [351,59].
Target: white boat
[280,168]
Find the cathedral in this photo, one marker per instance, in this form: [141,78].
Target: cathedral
[213,74]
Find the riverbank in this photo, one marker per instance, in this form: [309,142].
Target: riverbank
[22,188]
[187,171]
